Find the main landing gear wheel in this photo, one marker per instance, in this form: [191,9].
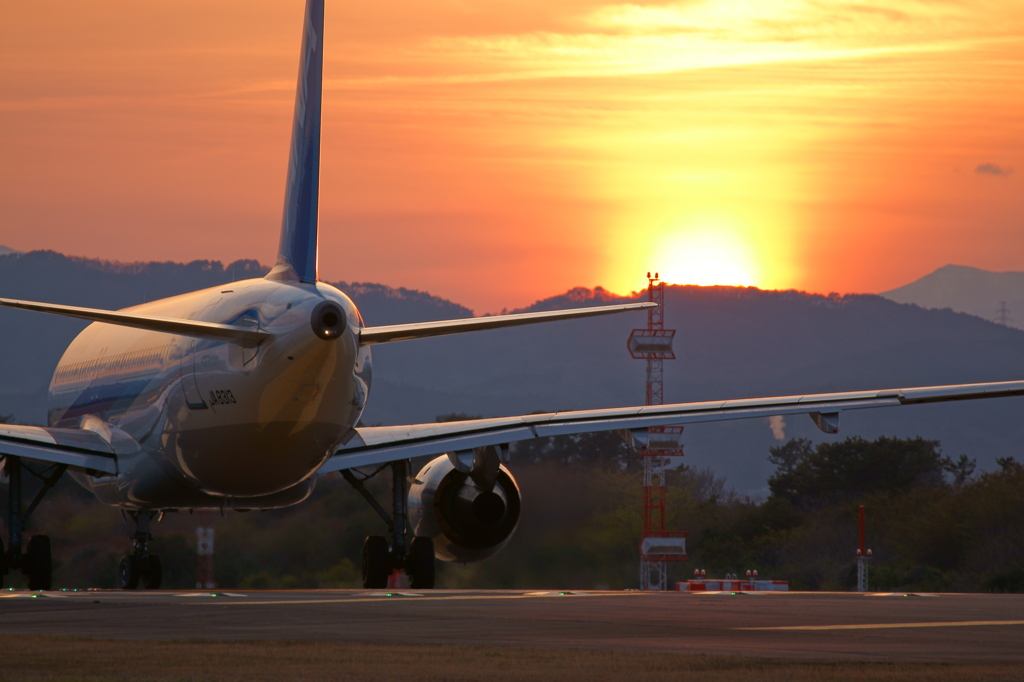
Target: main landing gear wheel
[420,564]
[128,573]
[153,574]
[39,563]
[376,562]
[35,561]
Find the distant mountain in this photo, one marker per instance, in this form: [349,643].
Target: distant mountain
[730,343]
[4,251]
[967,290]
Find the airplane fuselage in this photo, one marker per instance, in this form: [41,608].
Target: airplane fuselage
[209,423]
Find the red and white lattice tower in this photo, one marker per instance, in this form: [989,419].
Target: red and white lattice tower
[204,551]
[658,546]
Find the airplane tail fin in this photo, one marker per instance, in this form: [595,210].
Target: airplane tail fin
[297,254]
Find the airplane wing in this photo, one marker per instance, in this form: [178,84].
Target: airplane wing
[421,330]
[379,444]
[78,448]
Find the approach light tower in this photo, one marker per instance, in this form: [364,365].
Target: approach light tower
[863,557]
[655,445]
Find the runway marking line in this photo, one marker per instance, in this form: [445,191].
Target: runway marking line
[890,626]
[384,598]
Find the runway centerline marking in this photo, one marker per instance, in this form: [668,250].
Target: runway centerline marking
[890,626]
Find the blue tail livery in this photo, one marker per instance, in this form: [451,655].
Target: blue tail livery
[297,253]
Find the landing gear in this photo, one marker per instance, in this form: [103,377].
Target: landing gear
[140,564]
[376,562]
[36,562]
[380,558]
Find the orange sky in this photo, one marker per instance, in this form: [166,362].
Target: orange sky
[536,146]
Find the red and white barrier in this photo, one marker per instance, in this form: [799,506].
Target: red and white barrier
[702,585]
[398,580]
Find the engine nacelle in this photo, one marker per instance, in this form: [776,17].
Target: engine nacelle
[467,523]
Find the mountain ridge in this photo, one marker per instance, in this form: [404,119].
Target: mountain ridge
[731,343]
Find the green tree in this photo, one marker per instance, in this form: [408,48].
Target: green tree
[604,449]
[1008,464]
[961,470]
[456,417]
[831,474]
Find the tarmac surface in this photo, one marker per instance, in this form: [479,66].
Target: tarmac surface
[959,628]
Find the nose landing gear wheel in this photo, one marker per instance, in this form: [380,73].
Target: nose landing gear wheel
[376,562]
[134,569]
[39,563]
[420,563]
[140,564]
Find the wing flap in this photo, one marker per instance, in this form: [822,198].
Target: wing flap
[380,444]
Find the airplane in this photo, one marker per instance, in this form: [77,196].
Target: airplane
[242,396]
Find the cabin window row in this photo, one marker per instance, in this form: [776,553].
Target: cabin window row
[124,362]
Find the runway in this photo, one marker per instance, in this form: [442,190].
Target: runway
[956,628]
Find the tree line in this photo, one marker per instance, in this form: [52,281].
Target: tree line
[934,524]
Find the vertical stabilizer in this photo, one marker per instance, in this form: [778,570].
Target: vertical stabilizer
[297,254]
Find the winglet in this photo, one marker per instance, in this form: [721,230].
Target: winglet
[297,254]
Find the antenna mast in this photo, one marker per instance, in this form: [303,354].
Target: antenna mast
[1003,314]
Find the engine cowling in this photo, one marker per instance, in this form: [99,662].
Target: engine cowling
[467,523]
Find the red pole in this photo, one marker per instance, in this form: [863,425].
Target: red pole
[862,530]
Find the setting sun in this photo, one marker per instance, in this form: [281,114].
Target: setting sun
[706,260]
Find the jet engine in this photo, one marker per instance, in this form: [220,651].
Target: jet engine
[467,521]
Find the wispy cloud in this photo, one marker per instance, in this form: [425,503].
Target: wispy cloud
[786,20]
[628,38]
[993,169]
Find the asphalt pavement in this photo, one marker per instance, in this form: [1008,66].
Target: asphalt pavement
[814,626]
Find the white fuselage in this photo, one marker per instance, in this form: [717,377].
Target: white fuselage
[201,423]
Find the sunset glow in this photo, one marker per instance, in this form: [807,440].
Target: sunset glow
[495,153]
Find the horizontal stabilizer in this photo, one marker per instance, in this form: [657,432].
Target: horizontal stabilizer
[244,336]
[422,330]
